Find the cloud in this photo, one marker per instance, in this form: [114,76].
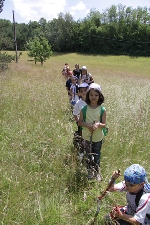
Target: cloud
[87,11]
[35,10]
[80,6]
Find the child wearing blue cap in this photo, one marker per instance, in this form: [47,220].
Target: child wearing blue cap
[137,188]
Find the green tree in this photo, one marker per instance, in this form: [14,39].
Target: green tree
[95,17]
[39,49]
[42,22]
[22,35]
[61,33]
[34,29]
[6,35]
[117,30]
[1,5]
[112,14]
[5,59]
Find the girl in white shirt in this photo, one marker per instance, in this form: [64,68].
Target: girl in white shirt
[86,77]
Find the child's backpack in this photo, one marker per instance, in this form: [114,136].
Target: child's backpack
[102,109]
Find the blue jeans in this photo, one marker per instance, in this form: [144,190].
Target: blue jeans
[95,148]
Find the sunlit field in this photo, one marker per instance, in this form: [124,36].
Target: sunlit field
[42,182]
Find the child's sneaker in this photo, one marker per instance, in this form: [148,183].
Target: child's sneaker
[98,177]
[81,156]
[90,174]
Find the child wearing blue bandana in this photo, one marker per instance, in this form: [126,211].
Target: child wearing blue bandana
[137,188]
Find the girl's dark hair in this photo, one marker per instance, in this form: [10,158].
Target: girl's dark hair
[101,97]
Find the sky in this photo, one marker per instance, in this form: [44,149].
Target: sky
[34,10]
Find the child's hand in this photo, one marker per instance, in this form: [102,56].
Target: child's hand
[86,81]
[116,212]
[116,174]
[95,126]
[90,127]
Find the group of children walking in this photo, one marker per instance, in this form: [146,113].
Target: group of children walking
[90,117]
[86,100]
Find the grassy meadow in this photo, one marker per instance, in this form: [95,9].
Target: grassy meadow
[41,181]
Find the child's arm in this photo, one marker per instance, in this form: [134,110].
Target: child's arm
[67,89]
[114,176]
[123,216]
[76,118]
[91,80]
[76,112]
[71,90]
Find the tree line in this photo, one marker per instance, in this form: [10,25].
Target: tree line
[117,30]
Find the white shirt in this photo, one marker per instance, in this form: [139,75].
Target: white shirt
[73,89]
[76,111]
[86,76]
[143,208]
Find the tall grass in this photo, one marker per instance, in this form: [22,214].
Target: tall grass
[42,181]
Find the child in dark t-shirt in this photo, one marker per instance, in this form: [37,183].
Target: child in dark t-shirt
[68,85]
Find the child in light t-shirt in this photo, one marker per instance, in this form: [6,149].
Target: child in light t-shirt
[137,188]
[92,127]
[83,88]
[85,76]
[74,91]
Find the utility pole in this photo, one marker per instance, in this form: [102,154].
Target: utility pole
[15,40]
